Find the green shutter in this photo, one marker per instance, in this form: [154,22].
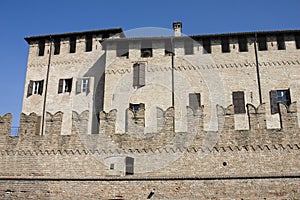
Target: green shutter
[135,74]
[273,102]
[60,86]
[238,100]
[78,86]
[30,88]
[194,101]
[142,69]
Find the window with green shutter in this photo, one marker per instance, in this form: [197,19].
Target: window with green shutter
[139,75]
[194,101]
[238,102]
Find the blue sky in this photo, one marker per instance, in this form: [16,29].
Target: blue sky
[19,19]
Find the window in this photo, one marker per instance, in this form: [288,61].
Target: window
[88,43]
[138,75]
[188,47]
[41,47]
[35,87]
[225,45]
[262,43]
[136,107]
[56,46]
[238,102]
[194,101]
[146,49]
[123,49]
[206,46]
[277,96]
[72,44]
[64,85]
[280,42]
[82,86]
[129,168]
[243,46]
[168,48]
[297,40]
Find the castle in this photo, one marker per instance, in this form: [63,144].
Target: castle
[107,116]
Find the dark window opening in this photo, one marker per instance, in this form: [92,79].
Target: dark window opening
[112,166]
[139,75]
[88,43]
[72,44]
[123,50]
[188,48]
[262,43]
[129,168]
[168,48]
[206,46]
[195,101]
[297,40]
[136,107]
[146,49]
[280,42]
[225,45]
[56,46]
[243,45]
[105,35]
[238,102]
[41,47]
[276,96]
[35,87]
[65,85]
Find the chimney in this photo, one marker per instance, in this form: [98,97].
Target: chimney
[177,27]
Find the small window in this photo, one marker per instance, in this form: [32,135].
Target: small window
[139,75]
[82,86]
[136,107]
[280,42]
[262,43]
[206,46]
[297,40]
[129,168]
[65,85]
[195,101]
[35,87]
[123,49]
[188,47]
[168,48]
[225,45]
[88,43]
[41,47]
[243,46]
[146,49]
[72,44]
[238,102]
[56,46]
[277,96]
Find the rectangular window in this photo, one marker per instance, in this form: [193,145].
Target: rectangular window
[188,47]
[88,43]
[280,42]
[123,49]
[72,44]
[168,48]
[225,45]
[194,101]
[243,45]
[136,107]
[41,47]
[129,168]
[297,40]
[238,100]
[276,96]
[35,87]
[65,85]
[206,46]
[262,43]
[139,75]
[56,46]
[83,86]
[146,49]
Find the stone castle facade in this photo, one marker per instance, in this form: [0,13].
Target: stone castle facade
[173,117]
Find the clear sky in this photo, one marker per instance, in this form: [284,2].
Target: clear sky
[21,18]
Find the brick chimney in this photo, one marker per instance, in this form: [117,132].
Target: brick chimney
[177,27]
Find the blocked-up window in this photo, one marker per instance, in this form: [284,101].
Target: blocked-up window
[225,45]
[195,101]
[277,96]
[262,43]
[206,46]
[35,87]
[72,44]
[129,166]
[188,47]
[139,75]
[146,49]
[65,85]
[41,47]
[243,46]
[88,43]
[122,49]
[238,100]
[56,46]
[83,85]
[280,42]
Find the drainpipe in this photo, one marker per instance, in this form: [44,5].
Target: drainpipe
[257,69]
[173,90]
[46,88]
